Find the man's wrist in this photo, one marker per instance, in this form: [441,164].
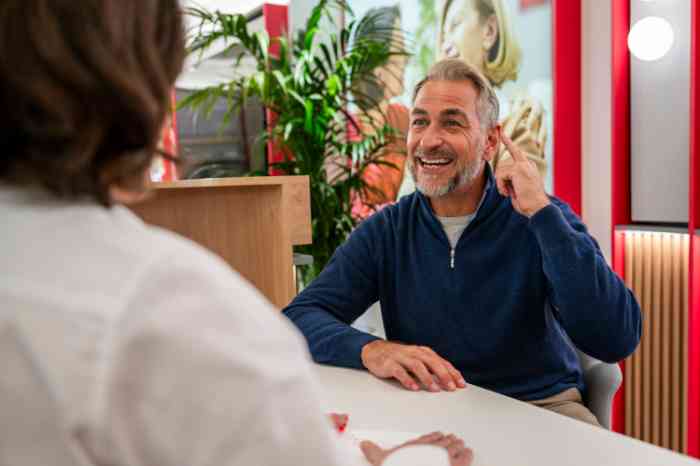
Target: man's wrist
[538,206]
[367,349]
[551,228]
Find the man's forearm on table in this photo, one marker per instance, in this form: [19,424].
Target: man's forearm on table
[330,340]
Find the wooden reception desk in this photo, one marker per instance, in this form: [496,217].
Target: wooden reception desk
[252,223]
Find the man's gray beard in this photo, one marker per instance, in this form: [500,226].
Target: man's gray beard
[463,178]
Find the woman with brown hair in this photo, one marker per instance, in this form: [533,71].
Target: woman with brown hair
[124,344]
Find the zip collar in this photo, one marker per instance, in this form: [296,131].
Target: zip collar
[490,201]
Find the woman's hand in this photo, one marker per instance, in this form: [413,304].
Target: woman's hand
[459,454]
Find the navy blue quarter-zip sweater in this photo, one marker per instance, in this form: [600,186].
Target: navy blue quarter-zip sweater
[498,312]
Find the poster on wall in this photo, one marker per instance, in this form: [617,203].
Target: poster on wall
[509,41]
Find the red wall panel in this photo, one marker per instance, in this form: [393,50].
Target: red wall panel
[566,55]
[694,224]
[620,158]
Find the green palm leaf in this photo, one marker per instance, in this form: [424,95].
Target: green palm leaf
[311,85]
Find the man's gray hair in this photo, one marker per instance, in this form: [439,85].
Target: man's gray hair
[453,69]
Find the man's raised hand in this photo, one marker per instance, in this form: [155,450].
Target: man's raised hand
[521,181]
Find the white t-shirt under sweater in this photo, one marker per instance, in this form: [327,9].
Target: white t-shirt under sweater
[455,226]
[124,344]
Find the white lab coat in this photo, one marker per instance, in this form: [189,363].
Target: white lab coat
[123,344]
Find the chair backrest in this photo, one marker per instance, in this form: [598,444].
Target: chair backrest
[32,430]
[602,382]
[587,362]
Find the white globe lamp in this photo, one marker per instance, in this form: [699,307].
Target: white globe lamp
[650,38]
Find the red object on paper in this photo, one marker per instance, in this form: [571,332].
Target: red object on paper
[340,421]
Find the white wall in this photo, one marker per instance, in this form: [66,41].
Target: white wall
[596,70]
[201,70]
[299,11]
[660,120]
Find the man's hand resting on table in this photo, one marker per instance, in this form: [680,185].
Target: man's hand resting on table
[458,453]
[413,366]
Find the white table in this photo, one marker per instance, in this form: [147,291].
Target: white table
[501,431]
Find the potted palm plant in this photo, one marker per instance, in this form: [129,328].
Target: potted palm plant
[316,86]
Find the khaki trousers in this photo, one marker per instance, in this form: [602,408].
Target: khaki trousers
[568,403]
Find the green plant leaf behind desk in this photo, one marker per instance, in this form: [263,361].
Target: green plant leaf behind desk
[318,89]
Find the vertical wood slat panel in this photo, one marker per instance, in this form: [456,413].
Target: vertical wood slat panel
[638,355]
[629,366]
[646,337]
[676,309]
[666,268]
[656,269]
[655,340]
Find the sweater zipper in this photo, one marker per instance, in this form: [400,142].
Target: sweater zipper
[452,258]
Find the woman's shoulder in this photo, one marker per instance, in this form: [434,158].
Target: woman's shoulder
[151,245]
[181,279]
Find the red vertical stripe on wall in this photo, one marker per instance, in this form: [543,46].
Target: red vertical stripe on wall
[566,55]
[618,414]
[621,205]
[694,224]
[170,142]
[620,159]
[277,25]
[694,346]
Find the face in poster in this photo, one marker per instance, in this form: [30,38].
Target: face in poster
[509,41]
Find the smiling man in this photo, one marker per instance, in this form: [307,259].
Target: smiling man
[482,279]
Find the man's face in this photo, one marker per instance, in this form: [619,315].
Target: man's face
[446,142]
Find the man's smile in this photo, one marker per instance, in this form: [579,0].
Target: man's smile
[434,165]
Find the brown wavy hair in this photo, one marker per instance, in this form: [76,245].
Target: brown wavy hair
[85,88]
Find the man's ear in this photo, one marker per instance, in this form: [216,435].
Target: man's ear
[493,141]
[131,195]
[489,32]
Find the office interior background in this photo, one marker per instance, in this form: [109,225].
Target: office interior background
[620,110]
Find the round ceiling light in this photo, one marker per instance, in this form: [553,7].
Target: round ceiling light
[650,38]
